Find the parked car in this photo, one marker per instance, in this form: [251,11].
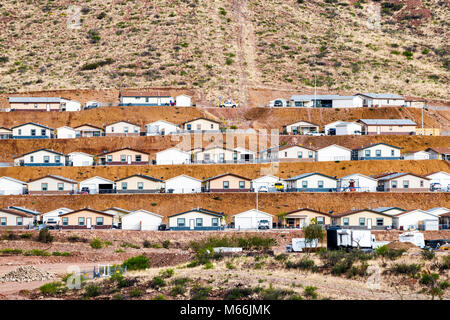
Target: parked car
[84,190]
[314,134]
[435,186]
[263,224]
[162,227]
[263,189]
[229,104]
[279,186]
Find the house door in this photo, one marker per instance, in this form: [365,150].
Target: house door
[48,107]
[378,130]
[191,224]
[129,159]
[369,223]
[88,223]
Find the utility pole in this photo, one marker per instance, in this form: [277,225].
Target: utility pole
[315,91]
[257,200]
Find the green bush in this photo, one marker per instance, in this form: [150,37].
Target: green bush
[407,269]
[200,293]
[96,243]
[135,293]
[37,252]
[157,282]
[51,288]
[428,254]
[140,262]
[167,273]
[11,251]
[61,254]
[392,254]
[26,235]
[166,244]
[238,293]
[45,236]
[91,291]
[303,264]
[310,292]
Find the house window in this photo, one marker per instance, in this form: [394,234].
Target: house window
[394,184]
[124,185]
[136,130]
[60,186]
[390,128]
[378,153]
[285,154]
[380,222]
[212,126]
[20,132]
[367,153]
[44,187]
[235,156]
[46,159]
[20,221]
[199,127]
[31,158]
[421,183]
[181,222]
[81,221]
[362,221]
[310,154]
[109,158]
[241,184]
[35,105]
[199,222]
[320,220]
[346,221]
[33,132]
[3,221]
[226,184]
[43,132]
[138,158]
[112,129]
[65,221]
[392,153]
[304,184]
[123,158]
[207,156]
[99,221]
[57,159]
[125,129]
[406,184]
[188,127]
[215,222]
[299,154]
[320,184]
[140,185]
[221,157]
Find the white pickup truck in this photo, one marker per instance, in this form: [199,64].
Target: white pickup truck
[228,104]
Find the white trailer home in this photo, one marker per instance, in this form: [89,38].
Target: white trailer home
[65,133]
[441,177]
[11,186]
[311,182]
[416,155]
[301,127]
[379,151]
[173,156]
[333,152]
[80,159]
[161,127]
[53,215]
[141,220]
[295,153]
[70,105]
[348,128]
[357,183]
[196,219]
[267,181]
[381,100]
[251,219]
[331,127]
[326,101]
[97,185]
[415,219]
[32,130]
[41,158]
[183,184]
[183,101]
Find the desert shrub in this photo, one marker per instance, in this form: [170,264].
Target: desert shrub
[97,64]
[238,293]
[392,254]
[166,273]
[342,266]
[45,236]
[166,244]
[147,244]
[157,282]
[11,251]
[51,288]
[360,271]
[281,257]
[140,262]
[135,293]
[428,254]
[406,269]
[274,294]
[429,278]
[179,286]
[208,265]
[130,245]
[8,235]
[74,238]
[310,292]
[26,235]
[61,254]
[303,264]
[91,291]
[96,243]
[229,265]
[159,297]
[36,252]
[200,293]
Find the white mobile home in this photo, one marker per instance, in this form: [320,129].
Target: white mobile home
[415,219]
[41,158]
[311,182]
[65,133]
[381,100]
[141,220]
[326,101]
[97,185]
[173,156]
[196,219]
[145,98]
[10,186]
[11,218]
[32,130]
[357,183]
[53,216]
[333,152]
[441,177]
[250,219]
[80,159]
[183,101]
[267,181]
[348,128]
[416,155]
[301,127]
[295,153]
[161,127]
[183,184]
[379,151]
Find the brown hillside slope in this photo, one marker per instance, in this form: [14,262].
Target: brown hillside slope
[222,47]
[167,204]
[153,144]
[252,171]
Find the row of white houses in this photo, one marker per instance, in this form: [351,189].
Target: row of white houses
[32,130]
[229,182]
[205,219]
[220,154]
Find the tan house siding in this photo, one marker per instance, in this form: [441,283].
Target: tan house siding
[53,186]
[354,219]
[201,125]
[303,217]
[73,220]
[32,106]
[218,184]
[133,183]
[122,129]
[117,157]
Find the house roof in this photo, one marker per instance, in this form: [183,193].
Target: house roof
[201,210]
[143,93]
[88,125]
[440,150]
[34,99]
[168,122]
[48,150]
[58,209]
[376,144]
[384,209]
[334,145]
[114,151]
[88,209]
[290,124]
[308,209]
[210,148]
[186,176]
[358,174]
[446,173]
[141,176]
[57,178]
[33,123]
[144,211]
[381,95]
[226,174]
[292,146]
[97,177]
[200,118]
[305,175]
[387,122]
[447,214]
[16,212]
[359,210]
[65,127]
[310,97]
[118,209]
[5,128]
[265,176]
[22,209]
[437,208]
[259,211]
[400,174]
[410,211]
[13,180]
[343,124]
[136,125]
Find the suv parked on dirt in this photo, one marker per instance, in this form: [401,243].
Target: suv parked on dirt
[229,104]
[263,224]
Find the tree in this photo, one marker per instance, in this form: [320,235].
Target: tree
[313,231]
[282,218]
